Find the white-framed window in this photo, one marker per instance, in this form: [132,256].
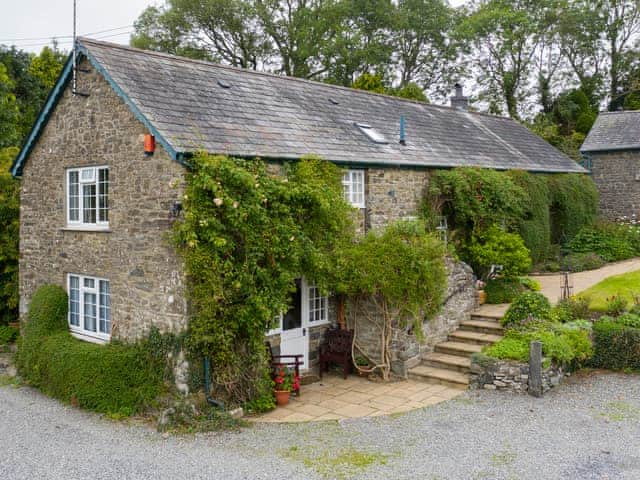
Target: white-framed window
[88,197]
[318,307]
[89,306]
[353,184]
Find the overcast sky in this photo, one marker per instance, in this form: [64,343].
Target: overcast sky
[30,24]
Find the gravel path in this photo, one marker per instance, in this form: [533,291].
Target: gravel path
[588,428]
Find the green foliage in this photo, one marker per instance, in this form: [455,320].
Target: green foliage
[495,246]
[115,379]
[9,232]
[570,309]
[574,205]
[609,240]
[184,417]
[526,306]
[616,346]
[8,334]
[402,266]
[473,199]
[626,286]
[616,305]
[47,312]
[579,262]
[509,349]
[246,237]
[535,225]
[506,289]
[370,83]
[629,320]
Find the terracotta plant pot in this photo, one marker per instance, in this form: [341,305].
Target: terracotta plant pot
[482,297]
[282,397]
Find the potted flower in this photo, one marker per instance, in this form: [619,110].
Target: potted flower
[362,366]
[482,295]
[285,382]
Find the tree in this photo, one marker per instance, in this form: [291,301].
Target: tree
[425,45]
[9,229]
[46,67]
[9,132]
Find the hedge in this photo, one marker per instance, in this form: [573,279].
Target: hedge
[115,379]
[616,346]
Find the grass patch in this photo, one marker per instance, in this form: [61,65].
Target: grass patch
[503,458]
[341,464]
[626,286]
[620,411]
[7,380]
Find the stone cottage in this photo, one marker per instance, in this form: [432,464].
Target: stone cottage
[612,153]
[97,197]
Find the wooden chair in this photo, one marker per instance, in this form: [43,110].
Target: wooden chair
[336,348]
[290,361]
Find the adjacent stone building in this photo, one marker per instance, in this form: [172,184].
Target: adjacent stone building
[103,171]
[612,153]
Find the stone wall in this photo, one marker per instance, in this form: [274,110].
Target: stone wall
[617,176]
[145,274]
[492,374]
[406,351]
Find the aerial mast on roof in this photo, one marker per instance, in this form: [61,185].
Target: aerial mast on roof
[74,66]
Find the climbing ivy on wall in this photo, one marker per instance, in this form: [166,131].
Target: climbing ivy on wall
[246,235]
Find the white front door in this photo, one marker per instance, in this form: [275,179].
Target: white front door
[295,326]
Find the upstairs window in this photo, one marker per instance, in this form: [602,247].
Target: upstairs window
[89,306]
[353,183]
[88,197]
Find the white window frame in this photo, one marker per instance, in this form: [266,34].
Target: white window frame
[79,330]
[351,178]
[95,180]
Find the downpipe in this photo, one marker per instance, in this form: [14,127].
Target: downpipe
[207,385]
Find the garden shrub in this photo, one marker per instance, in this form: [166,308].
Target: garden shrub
[495,246]
[579,262]
[610,241]
[574,205]
[629,320]
[616,305]
[8,334]
[527,306]
[116,379]
[616,346]
[47,311]
[506,289]
[570,309]
[509,348]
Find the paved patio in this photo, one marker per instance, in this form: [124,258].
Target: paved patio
[335,398]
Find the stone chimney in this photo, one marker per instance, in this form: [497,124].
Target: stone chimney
[459,101]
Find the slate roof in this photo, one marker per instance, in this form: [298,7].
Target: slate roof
[194,105]
[614,131]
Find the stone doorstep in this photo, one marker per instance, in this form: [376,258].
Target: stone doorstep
[458,348]
[474,337]
[444,360]
[482,326]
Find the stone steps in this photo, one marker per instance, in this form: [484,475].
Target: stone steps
[441,376]
[482,326]
[474,337]
[450,361]
[458,348]
[444,360]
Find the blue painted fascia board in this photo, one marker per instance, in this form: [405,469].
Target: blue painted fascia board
[54,97]
[43,117]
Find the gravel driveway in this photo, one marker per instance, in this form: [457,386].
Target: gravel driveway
[588,428]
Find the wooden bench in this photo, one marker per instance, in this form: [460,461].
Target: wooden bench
[336,348]
[293,362]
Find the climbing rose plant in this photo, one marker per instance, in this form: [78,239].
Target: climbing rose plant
[246,235]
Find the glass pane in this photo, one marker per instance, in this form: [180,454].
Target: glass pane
[90,312]
[105,307]
[103,195]
[74,301]
[293,318]
[74,197]
[89,203]
[89,283]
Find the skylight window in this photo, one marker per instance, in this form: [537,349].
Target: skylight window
[371,133]
[224,83]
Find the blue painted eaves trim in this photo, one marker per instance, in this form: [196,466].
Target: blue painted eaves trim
[54,97]
[43,117]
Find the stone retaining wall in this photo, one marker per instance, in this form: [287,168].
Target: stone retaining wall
[493,374]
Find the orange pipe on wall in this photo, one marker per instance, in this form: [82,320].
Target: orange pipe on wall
[149,144]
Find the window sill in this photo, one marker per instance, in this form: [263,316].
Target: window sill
[90,338]
[87,229]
